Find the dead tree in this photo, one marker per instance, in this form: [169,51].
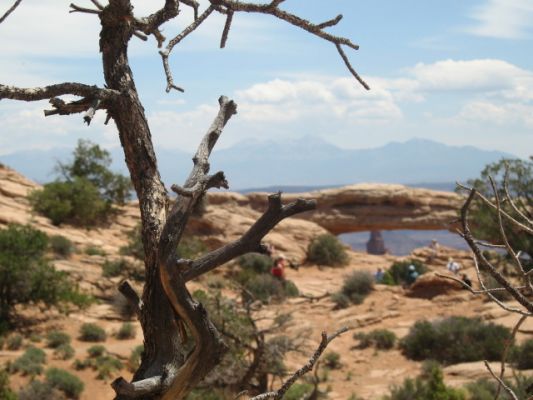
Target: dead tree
[520,291]
[166,309]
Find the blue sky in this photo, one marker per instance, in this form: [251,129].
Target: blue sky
[458,72]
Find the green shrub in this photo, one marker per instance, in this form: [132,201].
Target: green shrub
[134,361]
[491,283]
[190,247]
[41,391]
[205,394]
[86,195]
[124,268]
[5,392]
[381,339]
[96,351]
[54,339]
[113,268]
[64,381]
[34,338]
[522,355]
[298,391]
[61,246]
[327,250]
[332,360]
[64,352]
[92,333]
[30,363]
[455,340]
[76,202]
[255,263]
[26,276]
[106,366]
[94,251]
[428,386]
[398,272]
[126,331]
[341,300]
[355,288]
[265,287]
[14,342]
[486,389]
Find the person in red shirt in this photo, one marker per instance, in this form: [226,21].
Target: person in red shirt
[278,270]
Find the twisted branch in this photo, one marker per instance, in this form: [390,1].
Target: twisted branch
[10,10]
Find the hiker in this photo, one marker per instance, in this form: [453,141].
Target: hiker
[378,276]
[466,280]
[412,275]
[278,270]
[433,250]
[453,266]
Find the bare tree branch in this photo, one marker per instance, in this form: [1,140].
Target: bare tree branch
[278,394]
[131,295]
[76,8]
[230,6]
[510,341]
[500,381]
[9,11]
[193,4]
[479,257]
[94,98]
[251,240]
[227,27]
[165,53]
[489,203]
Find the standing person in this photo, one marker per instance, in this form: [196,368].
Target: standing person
[278,270]
[433,250]
[378,276]
[412,275]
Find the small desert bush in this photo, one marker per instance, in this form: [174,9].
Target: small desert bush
[106,366]
[398,272]
[265,287]
[100,361]
[96,351]
[491,283]
[332,360]
[123,267]
[134,361]
[381,339]
[327,250]
[41,391]
[298,391]
[61,245]
[255,263]
[190,247]
[54,339]
[64,381]
[455,340]
[64,352]
[30,363]
[126,331]
[355,288]
[428,386]
[93,250]
[92,333]
[5,391]
[14,342]
[486,389]
[522,355]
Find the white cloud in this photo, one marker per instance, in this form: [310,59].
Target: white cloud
[459,75]
[501,114]
[506,19]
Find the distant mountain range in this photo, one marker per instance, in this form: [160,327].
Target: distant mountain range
[300,165]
